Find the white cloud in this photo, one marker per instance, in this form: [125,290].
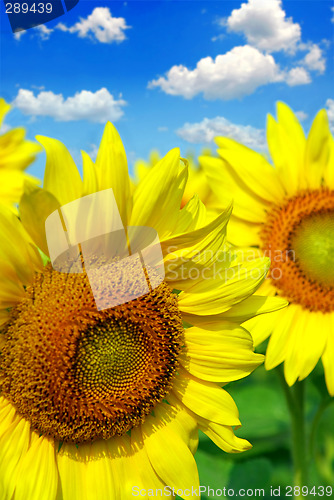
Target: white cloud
[19,34]
[206,130]
[332,9]
[297,76]
[314,59]
[301,115]
[237,73]
[162,129]
[265,25]
[42,31]
[98,106]
[330,112]
[218,38]
[99,25]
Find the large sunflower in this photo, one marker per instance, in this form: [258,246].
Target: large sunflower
[16,154]
[287,211]
[101,404]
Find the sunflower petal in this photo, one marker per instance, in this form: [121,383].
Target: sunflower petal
[61,177]
[219,353]
[205,399]
[286,142]
[14,443]
[38,471]
[35,207]
[164,188]
[252,169]
[176,466]
[317,150]
[90,183]
[112,170]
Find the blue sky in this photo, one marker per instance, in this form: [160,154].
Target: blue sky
[170,73]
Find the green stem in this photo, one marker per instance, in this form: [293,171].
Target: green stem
[298,436]
[322,463]
[295,400]
[316,421]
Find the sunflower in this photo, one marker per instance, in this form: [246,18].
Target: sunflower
[286,210]
[15,155]
[108,403]
[196,178]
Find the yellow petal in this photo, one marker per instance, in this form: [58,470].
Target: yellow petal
[4,108]
[304,349]
[228,187]
[286,142]
[16,247]
[243,233]
[191,217]
[14,442]
[61,177]
[90,183]
[224,437]
[252,306]
[205,399]
[219,353]
[252,169]
[317,151]
[294,343]
[169,455]
[202,247]
[35,207]
[12,290]
[157,198]
[218,294]
[143,476]
[280,324]
[38,474]
[86,471]
[112,170]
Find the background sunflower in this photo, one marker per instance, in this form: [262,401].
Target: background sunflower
[16,154]
[287,212]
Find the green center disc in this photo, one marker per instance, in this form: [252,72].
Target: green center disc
[313,244]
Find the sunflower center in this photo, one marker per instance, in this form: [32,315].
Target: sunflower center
[313,242]
[299,238]
[110,357]
[78,374]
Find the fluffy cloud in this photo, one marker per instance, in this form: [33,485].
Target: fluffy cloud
[314,59]
[42,31]
[97,106]
[297,76]
[99,25]
[237,73]
[206,130]
[19,34]
[265,25]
